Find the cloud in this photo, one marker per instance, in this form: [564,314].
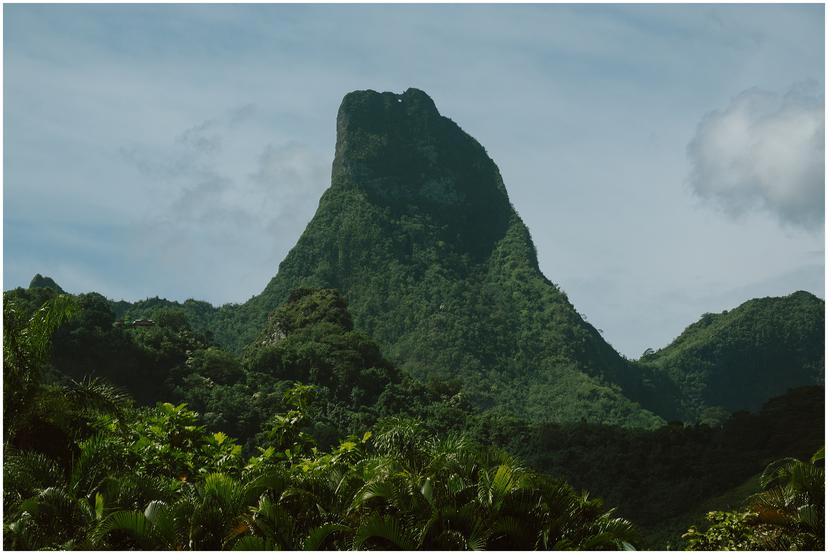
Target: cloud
[223,191]
[201,139]
[764,151]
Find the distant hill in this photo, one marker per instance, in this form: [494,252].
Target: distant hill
[738,359]
[39,281]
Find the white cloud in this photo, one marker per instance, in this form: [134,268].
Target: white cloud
[224,195]
[764,151]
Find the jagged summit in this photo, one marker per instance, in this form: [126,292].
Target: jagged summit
[381,112]
[40,281]
[413,103]
[406,157]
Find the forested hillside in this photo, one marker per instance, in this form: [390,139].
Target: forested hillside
[83,468]
[738,359]
[411,483]
[311,340]
[656,478]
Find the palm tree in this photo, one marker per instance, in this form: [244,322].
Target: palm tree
[788,514]
[791,508]
[51,518]
[152,529]
[421,492]
[26,346]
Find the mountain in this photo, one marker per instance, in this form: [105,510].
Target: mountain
[417,232]
[738,359]
[39,281]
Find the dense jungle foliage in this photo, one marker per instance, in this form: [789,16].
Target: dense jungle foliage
[84,468]
[311,339]
[787,514]
[659,478]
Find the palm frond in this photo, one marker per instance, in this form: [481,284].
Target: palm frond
[387,528]
[318,536]
[26,472]
[133,523]
[160,516]
[92,393]
[46,320]
[251,542]
[777,471]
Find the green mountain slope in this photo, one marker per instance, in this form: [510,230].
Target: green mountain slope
[418,234]
[308,339]
[738,359]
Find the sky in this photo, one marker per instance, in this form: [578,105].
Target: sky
[668,160]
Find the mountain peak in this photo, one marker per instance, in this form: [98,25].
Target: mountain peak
[405,157]
[39,281]
[365,106]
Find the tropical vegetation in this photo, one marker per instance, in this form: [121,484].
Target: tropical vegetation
[787,514]
[85,446]
[112,475]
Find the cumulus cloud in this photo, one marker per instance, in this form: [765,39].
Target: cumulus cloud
[223,193]
[764,151]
